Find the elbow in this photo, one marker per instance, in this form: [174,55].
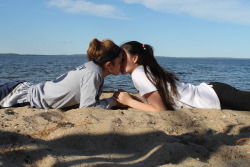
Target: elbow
[158,110]
[161,109]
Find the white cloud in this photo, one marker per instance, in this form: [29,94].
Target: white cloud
[233,11]
[87,7]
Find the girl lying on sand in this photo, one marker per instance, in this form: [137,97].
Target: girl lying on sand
[163,90]
[81,86]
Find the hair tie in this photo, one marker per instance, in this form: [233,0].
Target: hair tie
[143,46]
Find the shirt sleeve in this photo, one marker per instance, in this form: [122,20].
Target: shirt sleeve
[91,84]
[142,83]
[106,103]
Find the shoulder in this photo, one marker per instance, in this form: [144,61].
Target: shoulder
[138,70]
[90,67]
[141,81]
[138,73]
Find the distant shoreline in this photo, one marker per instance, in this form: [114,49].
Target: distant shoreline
[15,54]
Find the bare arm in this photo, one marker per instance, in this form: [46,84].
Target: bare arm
[154,99]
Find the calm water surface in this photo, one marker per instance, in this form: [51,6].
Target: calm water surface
[40,68]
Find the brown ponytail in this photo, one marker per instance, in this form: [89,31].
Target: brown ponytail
[101,52]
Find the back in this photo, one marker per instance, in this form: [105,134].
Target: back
[67,89]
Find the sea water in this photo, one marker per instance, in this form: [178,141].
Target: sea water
[40,68]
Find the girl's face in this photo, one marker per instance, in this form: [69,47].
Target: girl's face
[128,63]
[115,68]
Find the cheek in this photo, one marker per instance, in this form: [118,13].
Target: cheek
[118,70]
[125,67]
[118,67]
[128,65]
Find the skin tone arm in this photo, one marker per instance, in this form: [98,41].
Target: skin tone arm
[153,98]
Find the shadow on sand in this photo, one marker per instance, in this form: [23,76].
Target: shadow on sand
[148,149]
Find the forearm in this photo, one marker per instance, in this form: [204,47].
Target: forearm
[154,101]
[137,98]
[139,105]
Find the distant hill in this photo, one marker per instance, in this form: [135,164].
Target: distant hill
[9,54]
[15,54]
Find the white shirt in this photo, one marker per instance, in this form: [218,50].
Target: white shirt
[200,96]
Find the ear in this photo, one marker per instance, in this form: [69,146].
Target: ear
[135,59]
[107,65]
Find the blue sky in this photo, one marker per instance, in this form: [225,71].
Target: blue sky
[176,28]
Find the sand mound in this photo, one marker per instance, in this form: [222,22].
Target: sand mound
[98,138]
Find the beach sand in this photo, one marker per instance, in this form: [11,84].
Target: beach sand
[95,137]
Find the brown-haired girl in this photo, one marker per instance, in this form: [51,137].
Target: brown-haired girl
[81,86]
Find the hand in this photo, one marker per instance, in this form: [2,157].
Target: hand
[123,97]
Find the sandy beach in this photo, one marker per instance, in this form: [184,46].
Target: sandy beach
[95,137]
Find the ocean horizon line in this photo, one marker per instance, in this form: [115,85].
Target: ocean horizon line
[190,57]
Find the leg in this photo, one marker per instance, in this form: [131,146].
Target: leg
[232,98]
[6,88]
[14,94]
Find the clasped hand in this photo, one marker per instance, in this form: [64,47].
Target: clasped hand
[122,97]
